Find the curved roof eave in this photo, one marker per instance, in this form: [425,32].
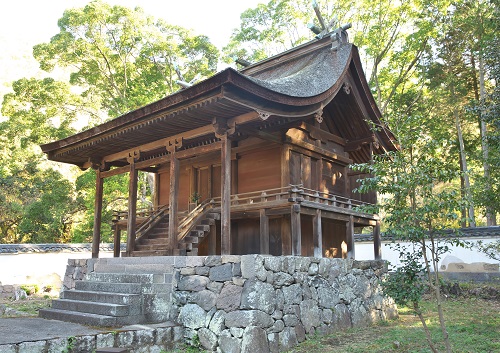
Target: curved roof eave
[280,86]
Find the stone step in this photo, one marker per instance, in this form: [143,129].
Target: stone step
[78,317]
[193,252]
[149,268]
[212,216]
[146,253]
[102,297]
[127,288]
[105,309]
[120,277]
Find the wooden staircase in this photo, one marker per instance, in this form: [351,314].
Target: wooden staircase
[154,240]
[188,245]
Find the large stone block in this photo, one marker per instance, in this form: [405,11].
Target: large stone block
[258,295]
[309,315]
[283,279]
[229,298]
[208,339]
[216,325]
[245,318]
[229,344]
[221,273]
[205,299]
[192,316]
[292,294]
[287,339]
[254,340]
[328,297]
[193,283]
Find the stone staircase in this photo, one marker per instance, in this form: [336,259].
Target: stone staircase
[119,291]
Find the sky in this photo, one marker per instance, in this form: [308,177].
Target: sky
[24,23]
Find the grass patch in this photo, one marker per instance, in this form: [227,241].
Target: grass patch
[473,325]
[29,306]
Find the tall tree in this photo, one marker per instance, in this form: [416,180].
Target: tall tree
[117,59]
[123,58]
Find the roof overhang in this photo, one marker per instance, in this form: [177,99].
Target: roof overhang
[296,83]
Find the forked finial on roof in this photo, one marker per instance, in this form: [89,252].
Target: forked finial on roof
[338,36]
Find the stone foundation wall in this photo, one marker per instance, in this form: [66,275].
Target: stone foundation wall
[256,303]
[259,303]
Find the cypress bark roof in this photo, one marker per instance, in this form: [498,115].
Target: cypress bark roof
[297,83]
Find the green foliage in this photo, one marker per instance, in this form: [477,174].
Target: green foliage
[117,59]
[492,250]
[36,205]
[121,57]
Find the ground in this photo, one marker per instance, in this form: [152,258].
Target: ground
[472,313]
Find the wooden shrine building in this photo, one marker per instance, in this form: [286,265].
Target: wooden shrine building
[249,161]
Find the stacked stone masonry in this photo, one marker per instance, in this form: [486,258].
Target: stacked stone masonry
[260,303]
[256,303]
[148,340]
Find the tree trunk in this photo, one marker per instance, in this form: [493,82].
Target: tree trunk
[490,214]
[468,196]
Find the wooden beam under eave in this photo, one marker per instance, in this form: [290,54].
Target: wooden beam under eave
[356,145]
[319,150]
[319,134]
[261,135]
[96,236]
[201,131]
[198,132]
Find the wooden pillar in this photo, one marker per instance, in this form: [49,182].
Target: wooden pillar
[350,238]
[132,208]
[116,241]
[296,230]
[174,195]
[225,195]
[96,236]
[377,241]
[286,236]
[317,234]
[264,232]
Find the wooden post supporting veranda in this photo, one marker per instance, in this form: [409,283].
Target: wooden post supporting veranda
[96,236]
[132,207]
[350,238]
[296,230]
[317,235]
[377,241]
[264,232]
[173,222]
[225,219]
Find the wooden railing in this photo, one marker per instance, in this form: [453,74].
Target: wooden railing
[187,223]
[154,217]
[304,194]
[142,213]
